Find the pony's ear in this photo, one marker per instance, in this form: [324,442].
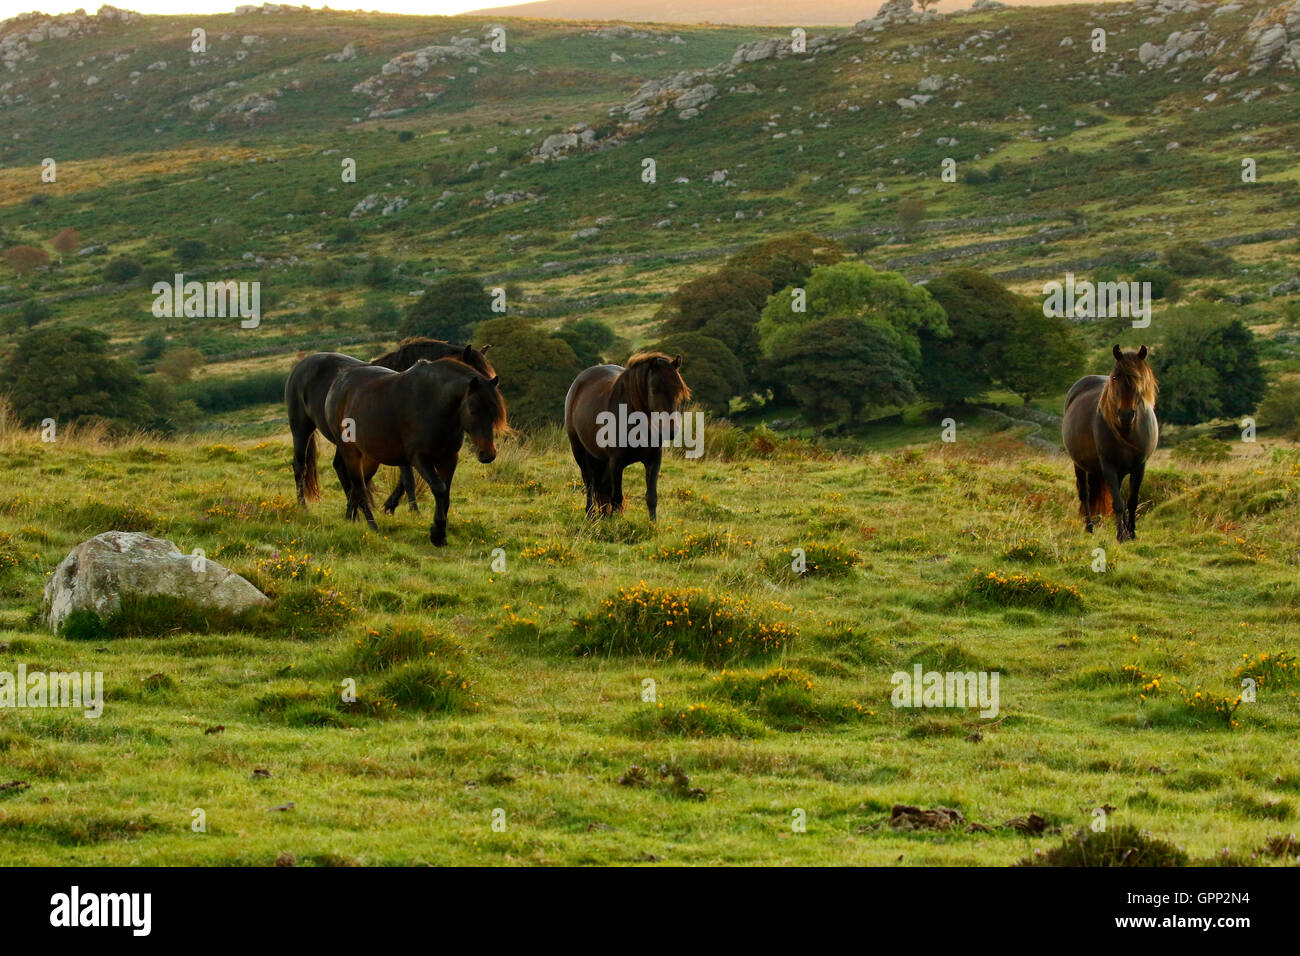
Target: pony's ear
[484,349]
[1142,352]
[468,355]
[1118,354]
[677,362]
[493,380]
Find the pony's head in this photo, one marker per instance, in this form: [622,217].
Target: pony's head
[655,380]
[1131,386]
[483,415]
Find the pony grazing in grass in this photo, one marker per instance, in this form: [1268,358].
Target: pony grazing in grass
[1110,430]
[418,418]
[309,383]
[650,388]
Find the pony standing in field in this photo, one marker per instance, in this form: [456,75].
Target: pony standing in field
[418,418]
[1110,430]
[309,383]
[650,389]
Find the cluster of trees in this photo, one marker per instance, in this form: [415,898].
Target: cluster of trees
[788,321]
[69,375]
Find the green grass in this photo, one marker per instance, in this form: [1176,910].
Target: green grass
[474,690]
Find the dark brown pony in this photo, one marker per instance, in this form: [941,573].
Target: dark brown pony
[651,385]
[1110,430]
[419,419]
[309,383]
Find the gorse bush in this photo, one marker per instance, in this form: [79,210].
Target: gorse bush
[813,560]
[1268,670]
[395,646]
[696,544]
[697,720]
[1021,590]
[684,622]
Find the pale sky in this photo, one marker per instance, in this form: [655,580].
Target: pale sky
[9,8]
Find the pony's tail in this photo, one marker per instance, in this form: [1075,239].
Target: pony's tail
[1099,503]
[310,483]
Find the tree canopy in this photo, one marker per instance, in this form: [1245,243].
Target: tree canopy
[449,309]
[1208,365]
[536,368]
[886,300]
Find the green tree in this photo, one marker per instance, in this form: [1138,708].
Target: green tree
[1196,259]
[724,305]
[378,273]
[844,366]
[179,365]
[709,367]
[535,366]
[1043,354]
[190,251]
[591,340]
[1280,409]
[1208,366]
[380,315]
[899,309]
[449,309]
[122,269]
[981,313]
[67,374]
[788,260]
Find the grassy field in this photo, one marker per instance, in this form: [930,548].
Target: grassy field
[520,692]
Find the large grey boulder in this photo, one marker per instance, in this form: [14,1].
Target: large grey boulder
[98,572]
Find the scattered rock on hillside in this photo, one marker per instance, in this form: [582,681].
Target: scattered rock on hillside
[349,52]
[99,572]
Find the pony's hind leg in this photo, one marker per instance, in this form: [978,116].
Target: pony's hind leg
[304,461]
[585,467]
[362,470]
[345,479]
[405,485]
[1085,497]
[408,482]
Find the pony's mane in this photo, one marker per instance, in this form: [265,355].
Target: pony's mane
[491,395]
[633,383]
[1137,374]
[415,347]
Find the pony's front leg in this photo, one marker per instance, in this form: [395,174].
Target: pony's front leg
[442,498]
[1134,483]
[652,486]
[1113,479]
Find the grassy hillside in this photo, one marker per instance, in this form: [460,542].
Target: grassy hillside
[1098,159]
[498,706]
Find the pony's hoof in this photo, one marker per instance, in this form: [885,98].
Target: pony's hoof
[438,542]
[415,509]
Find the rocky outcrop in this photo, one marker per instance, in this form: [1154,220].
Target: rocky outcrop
[1274,38]
[26,31]
[100,572]
[1179,47]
